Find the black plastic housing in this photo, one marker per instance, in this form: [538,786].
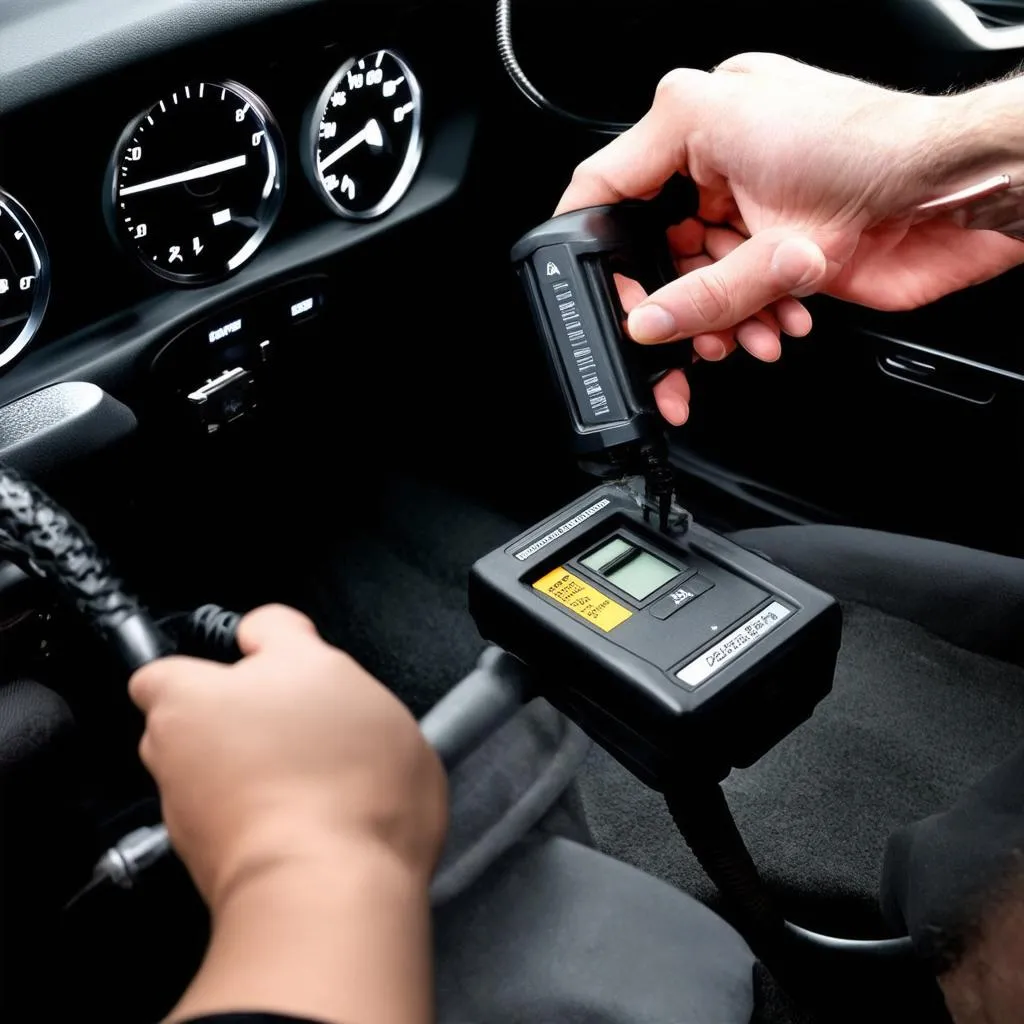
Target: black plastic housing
[620,685]
[567,267]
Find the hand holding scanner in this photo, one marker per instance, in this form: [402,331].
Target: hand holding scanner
[567,267]
[682,653]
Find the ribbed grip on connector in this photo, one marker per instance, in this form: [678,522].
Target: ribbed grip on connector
[210,632]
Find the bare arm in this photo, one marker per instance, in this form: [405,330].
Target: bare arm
[310,812]
[342,937]
[808,182]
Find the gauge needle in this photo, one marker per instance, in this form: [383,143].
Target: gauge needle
[371,135]
[206,171]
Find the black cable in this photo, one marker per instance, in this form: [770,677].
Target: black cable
[702,815]
[530,91]
[210,632]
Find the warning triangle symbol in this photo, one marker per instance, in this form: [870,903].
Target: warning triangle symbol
[553,270]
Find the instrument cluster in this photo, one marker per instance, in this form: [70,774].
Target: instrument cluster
[198,178]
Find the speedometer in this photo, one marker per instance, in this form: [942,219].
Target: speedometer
[197,181]
[365,136]
[24,278]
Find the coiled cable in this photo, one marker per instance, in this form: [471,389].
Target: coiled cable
[506,50]
[210,632]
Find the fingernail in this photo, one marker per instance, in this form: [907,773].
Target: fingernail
[651,322]
[675,409]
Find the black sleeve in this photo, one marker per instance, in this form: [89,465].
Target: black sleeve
[943,875]
[250,1018]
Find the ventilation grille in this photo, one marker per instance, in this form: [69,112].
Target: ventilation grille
[998,13]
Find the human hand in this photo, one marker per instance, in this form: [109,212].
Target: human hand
[294,754]
[807,182]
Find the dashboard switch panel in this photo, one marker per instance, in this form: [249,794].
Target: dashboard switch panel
[220,368]
[224,400]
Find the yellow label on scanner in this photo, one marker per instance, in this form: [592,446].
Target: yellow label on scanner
[586,601]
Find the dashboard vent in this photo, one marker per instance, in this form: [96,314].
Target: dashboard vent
[998,13]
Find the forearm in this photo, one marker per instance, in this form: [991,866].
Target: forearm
[343,940]
[980,137]
[989,124]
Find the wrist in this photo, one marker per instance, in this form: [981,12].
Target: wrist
[982,135]
[974,168]
[340,934]
[278,851]
[984,129]
[333,870]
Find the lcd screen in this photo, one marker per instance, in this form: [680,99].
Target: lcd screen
[642,575]
[603,557]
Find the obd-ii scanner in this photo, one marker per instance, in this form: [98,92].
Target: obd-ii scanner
[680,652]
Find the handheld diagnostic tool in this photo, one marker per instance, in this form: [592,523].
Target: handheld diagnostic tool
[684,655]
[567,267]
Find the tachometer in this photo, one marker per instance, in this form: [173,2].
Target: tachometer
[24,278]
[197,181]
[365,136]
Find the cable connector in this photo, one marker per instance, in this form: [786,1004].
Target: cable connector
[132,856]
[124,863]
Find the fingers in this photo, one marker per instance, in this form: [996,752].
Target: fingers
[791,313]
[756,274]
[760,336]
[672,393]
[793,317]
[266,628]
[760,340]
[151,682]
[687,239]
[714,347]
[639,162]
[631,293]
[272,627]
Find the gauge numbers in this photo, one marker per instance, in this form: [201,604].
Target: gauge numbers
[24,278]
[197,182]
[365,136]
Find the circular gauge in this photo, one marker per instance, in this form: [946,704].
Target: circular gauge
[24,278]
[365,136]
[197,181]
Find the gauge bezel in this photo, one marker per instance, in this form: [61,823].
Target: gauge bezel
[41,258]
[110,195]
[413,158]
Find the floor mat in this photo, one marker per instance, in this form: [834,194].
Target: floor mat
[391,588]
[911,722]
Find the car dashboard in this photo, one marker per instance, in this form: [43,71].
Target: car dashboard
[219,240]
[260,334]
[165,227]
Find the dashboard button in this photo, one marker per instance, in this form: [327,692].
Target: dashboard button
[681,597]
[300,304]
[225,399]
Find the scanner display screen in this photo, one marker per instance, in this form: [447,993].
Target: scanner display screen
[630,568]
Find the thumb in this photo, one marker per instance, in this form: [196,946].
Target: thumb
[757,273]
[274,626]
